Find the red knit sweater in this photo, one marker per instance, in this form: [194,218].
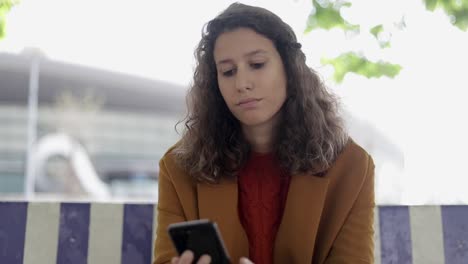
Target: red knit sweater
[263,188]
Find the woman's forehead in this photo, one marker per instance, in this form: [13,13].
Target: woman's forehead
[242,42]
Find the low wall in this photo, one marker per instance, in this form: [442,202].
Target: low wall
[99,233]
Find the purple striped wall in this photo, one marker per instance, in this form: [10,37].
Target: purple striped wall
[455,226]
[137,234]
[395,235]
[73,233]
[12,231]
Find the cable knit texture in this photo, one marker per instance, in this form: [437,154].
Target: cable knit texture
[263,188]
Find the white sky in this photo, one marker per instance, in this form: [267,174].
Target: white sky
[421,111]
[150,38]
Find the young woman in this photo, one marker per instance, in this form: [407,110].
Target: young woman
[265,154]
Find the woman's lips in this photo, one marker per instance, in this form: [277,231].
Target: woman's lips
[249,103]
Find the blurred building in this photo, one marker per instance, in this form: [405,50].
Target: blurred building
[124,122]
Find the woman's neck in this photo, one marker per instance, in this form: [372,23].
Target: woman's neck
[261,137]
[260,140]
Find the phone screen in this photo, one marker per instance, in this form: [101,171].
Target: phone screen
[201,237]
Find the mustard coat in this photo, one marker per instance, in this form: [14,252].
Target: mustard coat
[326,219]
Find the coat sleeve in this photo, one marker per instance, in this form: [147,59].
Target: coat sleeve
[355,240]
[169,211]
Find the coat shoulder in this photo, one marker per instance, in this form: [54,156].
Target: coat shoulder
[353,156]
[352,166]
[353,149]
[172,168]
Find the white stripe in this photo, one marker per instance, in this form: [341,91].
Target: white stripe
[426,235]
[155,225]
[377,255]
[42,230]
[105,233]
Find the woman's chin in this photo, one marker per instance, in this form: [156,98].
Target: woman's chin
[252,122]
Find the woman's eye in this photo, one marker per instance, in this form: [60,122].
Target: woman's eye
[257,65]
[228,73]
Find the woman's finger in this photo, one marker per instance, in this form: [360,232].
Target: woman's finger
[175,260]
[245,260]
[186,257]
[205,259]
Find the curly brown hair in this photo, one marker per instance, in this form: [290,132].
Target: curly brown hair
[311,132]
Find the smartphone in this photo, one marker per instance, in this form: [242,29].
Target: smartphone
[201,237]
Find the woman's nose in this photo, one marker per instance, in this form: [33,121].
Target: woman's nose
[243,80]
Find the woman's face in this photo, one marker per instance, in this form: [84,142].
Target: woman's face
[251,77]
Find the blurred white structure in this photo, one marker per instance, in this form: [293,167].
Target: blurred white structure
[125,140]
[62,145]
[389,159]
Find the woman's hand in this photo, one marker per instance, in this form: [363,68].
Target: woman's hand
[187,258]
[245,260]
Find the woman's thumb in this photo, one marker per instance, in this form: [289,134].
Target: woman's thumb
[245,260]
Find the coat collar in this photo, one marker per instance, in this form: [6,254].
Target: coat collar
[295,239]
[218,202]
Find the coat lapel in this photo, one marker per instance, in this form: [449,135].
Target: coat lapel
[296,236]
[218,202]
[295,240]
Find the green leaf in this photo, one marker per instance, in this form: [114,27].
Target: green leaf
[3,11]
[351,62]
[8,4]
[431,4]
[376,30]
[346,4]
[385,44]
[457,10]
[5,6]
[327,15]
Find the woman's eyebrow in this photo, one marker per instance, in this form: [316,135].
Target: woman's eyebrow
[255,52]
[248,54]
[225,61]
